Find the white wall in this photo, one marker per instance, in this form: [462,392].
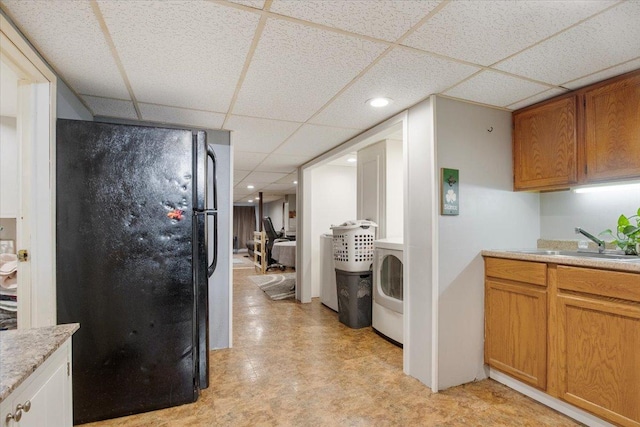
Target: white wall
[561,212]
[8,167]
[491,216]
[419,320]
[333,201]
[274,210]
[68,106]
[395,185]
[220,287]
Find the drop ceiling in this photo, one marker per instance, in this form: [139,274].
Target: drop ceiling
[290,78]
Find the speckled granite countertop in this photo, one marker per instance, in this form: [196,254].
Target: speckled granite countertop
[630,266]
[22,351]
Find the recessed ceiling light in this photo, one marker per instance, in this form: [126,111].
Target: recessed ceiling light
[295,182]
[257,198]
[250,187]
[378,102]
[250,200]
[352,160]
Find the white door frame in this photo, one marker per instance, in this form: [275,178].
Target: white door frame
[303,198]
[36,119]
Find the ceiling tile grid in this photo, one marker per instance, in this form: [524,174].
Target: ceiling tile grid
[550,93]
[634,64]
[296,69]
[282,163]
[244,160]
[494,88]
[382,19]
[264,177]
[604,41]
[405,75]
[256,4]
[484,32]
[315,63]
[68,35]
[108,107]
[181,116]
[181,53]
[312,140]
[259,135]
[239,175]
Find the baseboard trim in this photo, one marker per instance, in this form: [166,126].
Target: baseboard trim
[557,404]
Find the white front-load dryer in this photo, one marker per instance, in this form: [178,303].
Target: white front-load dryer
[388,288]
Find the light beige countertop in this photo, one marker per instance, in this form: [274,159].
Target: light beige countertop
[605,264]
[22,351]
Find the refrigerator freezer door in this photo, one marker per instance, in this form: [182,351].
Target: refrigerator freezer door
[124,266]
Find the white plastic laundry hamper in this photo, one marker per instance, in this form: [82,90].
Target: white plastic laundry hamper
[353,245]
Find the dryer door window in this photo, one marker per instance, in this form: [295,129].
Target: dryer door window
[391,277]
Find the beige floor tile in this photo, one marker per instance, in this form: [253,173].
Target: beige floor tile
[296,365]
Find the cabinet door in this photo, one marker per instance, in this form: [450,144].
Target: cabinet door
[599,357]
[545,145]
[612,132]
[49,395]
[516,330]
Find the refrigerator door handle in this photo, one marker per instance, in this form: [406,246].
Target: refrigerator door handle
[214,211]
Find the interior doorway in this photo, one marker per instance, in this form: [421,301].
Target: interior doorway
[372,169]
[27,205]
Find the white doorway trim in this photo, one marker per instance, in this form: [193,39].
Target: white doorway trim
[303,200]
[36,134]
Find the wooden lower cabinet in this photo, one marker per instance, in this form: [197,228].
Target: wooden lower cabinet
[598,324]
[516,325]
[573,332]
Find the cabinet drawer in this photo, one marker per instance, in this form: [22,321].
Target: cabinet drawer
[520,271]
[612,284]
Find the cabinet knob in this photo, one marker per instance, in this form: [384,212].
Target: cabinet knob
[18,415]
[8,418]
[26,406]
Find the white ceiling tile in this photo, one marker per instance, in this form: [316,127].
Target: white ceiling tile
[536,98]
[242,191]
[493,88]
[404,75]
[239,175]
[603,75]
[259,135]
[181,53]
[598,43]
[181,116]
[282,163]
[68,34]
[111,107]
[484,32]
[288,179]
[279,187]
[383,19]
[313,140]
[263,177]
[256,4]
[247,161]
[296,69]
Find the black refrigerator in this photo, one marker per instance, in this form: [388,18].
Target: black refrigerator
[133,265]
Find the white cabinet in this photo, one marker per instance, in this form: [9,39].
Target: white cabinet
[380,187]
[47,394]
[8,168]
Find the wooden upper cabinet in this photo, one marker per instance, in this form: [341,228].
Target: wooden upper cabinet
[545,145]
[612,129]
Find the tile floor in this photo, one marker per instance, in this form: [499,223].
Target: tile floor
[295,365]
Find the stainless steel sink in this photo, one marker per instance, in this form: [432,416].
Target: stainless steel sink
[612,256]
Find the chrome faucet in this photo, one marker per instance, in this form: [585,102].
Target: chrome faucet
[592,238]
